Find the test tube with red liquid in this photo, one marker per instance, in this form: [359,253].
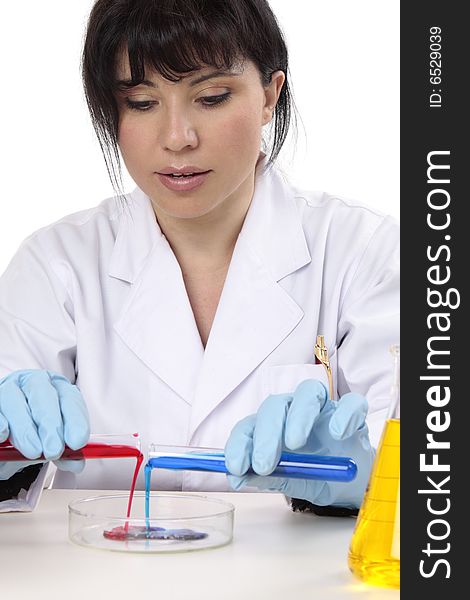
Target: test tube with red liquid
[99,446]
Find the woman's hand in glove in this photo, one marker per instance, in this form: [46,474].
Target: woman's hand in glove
[41,411]
[306,422]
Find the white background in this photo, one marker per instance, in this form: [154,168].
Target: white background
[345,75]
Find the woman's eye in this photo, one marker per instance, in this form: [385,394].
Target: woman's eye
[209,101]
[141,106]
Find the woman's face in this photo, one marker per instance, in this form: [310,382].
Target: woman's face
[209,121]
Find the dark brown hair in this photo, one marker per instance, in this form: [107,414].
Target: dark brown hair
[175,37]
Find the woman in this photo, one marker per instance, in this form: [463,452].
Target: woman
[188,310]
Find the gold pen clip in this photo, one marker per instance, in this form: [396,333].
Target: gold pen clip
[321,353]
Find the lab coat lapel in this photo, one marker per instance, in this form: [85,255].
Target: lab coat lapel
[255,314]
[157,321]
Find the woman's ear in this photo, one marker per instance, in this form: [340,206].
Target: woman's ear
[272,91]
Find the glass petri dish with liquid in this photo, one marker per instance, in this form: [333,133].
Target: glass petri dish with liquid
[175,523]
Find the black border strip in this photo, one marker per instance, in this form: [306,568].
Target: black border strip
[435,254]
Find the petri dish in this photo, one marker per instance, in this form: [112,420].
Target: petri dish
[177,523]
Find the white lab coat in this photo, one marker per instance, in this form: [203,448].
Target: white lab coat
[99,297]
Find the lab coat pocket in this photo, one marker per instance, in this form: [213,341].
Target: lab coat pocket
[283,379]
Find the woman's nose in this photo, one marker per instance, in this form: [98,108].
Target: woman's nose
[178,132]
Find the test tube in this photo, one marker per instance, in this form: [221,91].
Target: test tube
[101,445]
[291,465]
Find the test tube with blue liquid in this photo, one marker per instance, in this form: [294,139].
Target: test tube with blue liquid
[292,465]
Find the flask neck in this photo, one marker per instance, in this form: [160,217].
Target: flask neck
[394,409]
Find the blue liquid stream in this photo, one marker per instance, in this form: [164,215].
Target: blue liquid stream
[148,474]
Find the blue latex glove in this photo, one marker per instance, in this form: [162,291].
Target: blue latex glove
[41,411]
[305,421]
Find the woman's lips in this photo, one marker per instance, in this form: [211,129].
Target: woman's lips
[185,183]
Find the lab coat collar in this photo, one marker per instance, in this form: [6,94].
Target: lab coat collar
[254,313]
[273,226]
[137,235]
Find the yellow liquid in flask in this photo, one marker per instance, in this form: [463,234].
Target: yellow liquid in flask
[374,553]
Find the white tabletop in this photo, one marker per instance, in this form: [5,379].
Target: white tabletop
[275,554]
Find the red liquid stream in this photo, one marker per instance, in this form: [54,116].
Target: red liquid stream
[140,458]
[91,450]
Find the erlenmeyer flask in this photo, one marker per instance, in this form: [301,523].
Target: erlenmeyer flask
[374,553]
